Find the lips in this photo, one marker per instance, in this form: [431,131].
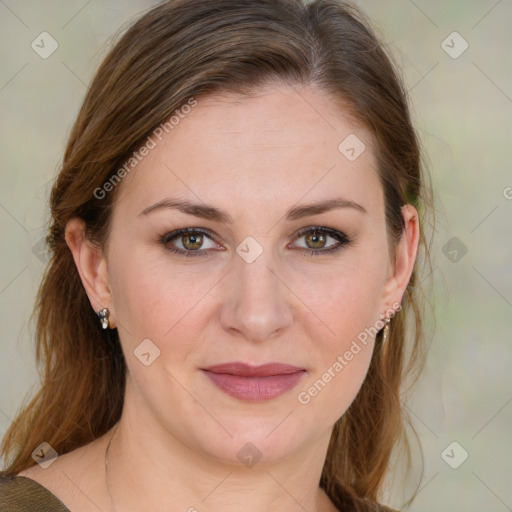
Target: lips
[254,383]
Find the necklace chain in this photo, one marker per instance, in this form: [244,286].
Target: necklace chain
[107,451]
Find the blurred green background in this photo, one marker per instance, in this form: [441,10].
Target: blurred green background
[457,66]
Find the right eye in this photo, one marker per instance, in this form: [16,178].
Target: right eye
[190,239]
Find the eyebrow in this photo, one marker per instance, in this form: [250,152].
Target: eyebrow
[208,212]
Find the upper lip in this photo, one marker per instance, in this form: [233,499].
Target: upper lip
[247,370]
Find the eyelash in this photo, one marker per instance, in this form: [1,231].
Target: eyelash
[343,240]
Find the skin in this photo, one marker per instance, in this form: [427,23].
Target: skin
[179,435]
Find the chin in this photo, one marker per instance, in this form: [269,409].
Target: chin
[253,441]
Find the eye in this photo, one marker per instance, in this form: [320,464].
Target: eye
[189,241]
[316,239]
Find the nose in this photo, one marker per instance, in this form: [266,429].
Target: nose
[256,300]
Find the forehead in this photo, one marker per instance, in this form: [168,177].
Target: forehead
[276,146]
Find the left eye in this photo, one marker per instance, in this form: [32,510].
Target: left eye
[316,240]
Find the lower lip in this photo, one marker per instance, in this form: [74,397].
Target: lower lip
[255,389]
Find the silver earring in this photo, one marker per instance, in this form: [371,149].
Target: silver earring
[103,315]
[385,332]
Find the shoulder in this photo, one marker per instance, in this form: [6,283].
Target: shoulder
[60,484]
[22,494]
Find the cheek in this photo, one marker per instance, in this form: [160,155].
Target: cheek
[343,356]
[347,297]
[157,300]
[345,336]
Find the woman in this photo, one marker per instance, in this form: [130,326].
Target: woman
[234,240]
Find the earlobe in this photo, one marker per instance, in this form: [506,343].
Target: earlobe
[91,265]
[405,256]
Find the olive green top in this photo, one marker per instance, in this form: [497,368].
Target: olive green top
[22,494]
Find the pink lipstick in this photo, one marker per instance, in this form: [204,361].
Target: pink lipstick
[254,383]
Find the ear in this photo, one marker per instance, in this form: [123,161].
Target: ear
[92,267]
[405,257]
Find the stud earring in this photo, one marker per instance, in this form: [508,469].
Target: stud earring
[103,315]
[385,332]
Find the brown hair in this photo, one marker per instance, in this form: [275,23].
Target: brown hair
[179,50]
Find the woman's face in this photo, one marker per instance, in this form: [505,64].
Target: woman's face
[265,277]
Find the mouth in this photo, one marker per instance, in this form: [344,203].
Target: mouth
[254,383]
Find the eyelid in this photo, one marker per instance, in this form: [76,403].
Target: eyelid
[171,235]
[335,233]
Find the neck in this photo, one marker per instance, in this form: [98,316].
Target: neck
[148,468]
